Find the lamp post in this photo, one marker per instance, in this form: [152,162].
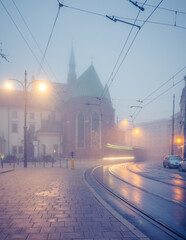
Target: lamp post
[184,129]
[25,88]
[25,121]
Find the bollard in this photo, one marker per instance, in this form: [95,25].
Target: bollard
[72,163]
[72,160]
[43,162]
[1,162]
[66,162]
[52,162]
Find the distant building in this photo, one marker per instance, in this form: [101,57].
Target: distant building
[157,137]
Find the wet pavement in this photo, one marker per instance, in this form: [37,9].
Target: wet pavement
[55,203]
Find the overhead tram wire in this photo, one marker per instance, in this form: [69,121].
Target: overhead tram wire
[157,23]
[94,13]
[137,113]
[109,79]
[24,39]
[107,88]
[163,8]
[164,84]
[163,92]
[175,84]
[34,39]
[85,11]
[50,36]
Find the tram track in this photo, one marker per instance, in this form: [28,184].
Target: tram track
[170,232]
[158,180]
[142,189]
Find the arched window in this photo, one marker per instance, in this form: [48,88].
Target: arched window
[95,131]
[80,131]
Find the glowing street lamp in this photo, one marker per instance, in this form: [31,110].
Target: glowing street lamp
[179,140]
[42,87]
[136,131]
[125,122]
[9,85]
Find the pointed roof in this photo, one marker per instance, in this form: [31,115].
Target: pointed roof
[88,85]
[72,68]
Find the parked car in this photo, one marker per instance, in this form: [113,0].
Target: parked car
[182,165]
[171,161]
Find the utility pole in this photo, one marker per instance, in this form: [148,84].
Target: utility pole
[184,153]
[172,144]
[25,120]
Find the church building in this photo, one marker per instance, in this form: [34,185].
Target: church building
[71,117]
[88,114]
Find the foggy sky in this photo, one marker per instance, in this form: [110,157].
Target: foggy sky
[157,53]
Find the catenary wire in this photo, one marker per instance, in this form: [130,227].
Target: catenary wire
[157,23]
[163,93]
[163,8]
[109,79]
[34,39]
[107,88]
[50,36]
[164,84]
[21,34]
[137,113]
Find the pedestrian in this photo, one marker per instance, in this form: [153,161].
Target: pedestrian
[2,158]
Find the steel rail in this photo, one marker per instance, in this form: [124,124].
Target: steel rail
[163,227]
[144,190]
[153,178]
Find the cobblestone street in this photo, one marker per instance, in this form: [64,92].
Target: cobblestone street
[53,203]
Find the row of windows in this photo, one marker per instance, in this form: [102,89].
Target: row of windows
[15,127]
[14,115]
[17,150]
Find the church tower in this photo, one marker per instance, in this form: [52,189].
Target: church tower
[72,71]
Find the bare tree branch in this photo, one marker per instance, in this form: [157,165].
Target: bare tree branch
[2,55]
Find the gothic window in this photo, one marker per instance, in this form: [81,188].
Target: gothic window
[80,131]
[14,150]
[32,115]
[14,114]
[95,131]
[43,146]
[20,149]
[32,128]
[14,127]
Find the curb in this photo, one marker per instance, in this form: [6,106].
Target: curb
[5,171]
[131,227]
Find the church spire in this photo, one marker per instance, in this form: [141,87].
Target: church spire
[72,71]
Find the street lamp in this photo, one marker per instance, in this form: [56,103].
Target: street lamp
[42,87]
[136,131]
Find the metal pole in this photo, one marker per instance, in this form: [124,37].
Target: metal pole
[184,153]
[8,130]
[25,121]
[172,145]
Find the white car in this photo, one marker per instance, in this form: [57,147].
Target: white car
[171,161]
[182,165]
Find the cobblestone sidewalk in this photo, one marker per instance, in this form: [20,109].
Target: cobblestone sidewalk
[53,204]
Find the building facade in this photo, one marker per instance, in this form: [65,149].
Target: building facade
[69,117]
